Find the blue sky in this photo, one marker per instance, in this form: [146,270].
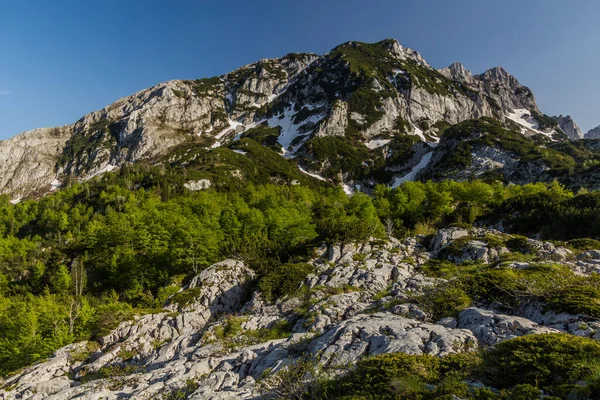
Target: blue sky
[64,58]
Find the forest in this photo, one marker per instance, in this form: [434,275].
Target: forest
[76,263]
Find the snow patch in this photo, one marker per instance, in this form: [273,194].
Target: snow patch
[15,201]
[319,177]
[55,184]
[529,125]
[106,168]
[413,173]
[233,125]
[242,152]
[376,143]
[289,130]
[419,133]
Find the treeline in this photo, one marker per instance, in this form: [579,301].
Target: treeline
[76,263]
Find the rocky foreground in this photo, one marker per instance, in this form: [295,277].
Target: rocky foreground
[216,334]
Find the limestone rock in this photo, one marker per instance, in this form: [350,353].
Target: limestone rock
[384,333]
[490,327]
[569,127]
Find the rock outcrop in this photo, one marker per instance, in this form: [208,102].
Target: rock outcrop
[569,127]
[361,304]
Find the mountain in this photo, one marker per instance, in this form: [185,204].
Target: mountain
[569,127]
[359,115]
[255,236]
[593,133]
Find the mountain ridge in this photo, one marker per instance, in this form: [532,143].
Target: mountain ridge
[370,93]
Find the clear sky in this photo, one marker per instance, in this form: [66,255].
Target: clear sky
[61,59]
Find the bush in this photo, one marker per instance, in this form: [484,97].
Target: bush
[284,280]
[584,244]
[109,316]
[544,361]
[444,300]
[186,297]
[384,376]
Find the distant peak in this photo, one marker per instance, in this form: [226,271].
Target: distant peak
[457,72]
[593,133]
[568,126]
[501,75]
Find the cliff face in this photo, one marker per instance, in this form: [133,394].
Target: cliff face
[569,127]
[371,92]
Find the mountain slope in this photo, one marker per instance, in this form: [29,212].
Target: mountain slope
[376,98]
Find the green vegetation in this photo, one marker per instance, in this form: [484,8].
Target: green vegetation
[462,139]
[520,368]
[265,135]
[549,210]
[284,280]
[76,263]
[82,147]
[206,86]
[544,121]
[340,156]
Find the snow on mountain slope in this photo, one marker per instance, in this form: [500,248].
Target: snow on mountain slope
[529,125]
[306,95]
[414,172]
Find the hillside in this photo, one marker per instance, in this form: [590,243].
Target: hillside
[356,225]
[359,115]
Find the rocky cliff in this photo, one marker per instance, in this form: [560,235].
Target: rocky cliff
[569,127]
[378,97]
[593,133]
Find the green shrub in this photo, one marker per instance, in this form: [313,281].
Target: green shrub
[229,329]
[385,376]
[584,244]
[284,280]
[544,361]
[444,300]
[109,316]
[186,297]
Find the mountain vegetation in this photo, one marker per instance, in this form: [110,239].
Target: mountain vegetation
[357,225]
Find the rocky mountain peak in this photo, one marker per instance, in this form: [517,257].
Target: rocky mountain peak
[501,76]
[457,72]
[370,95]
[403,53]
[593,133]
[569,127]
